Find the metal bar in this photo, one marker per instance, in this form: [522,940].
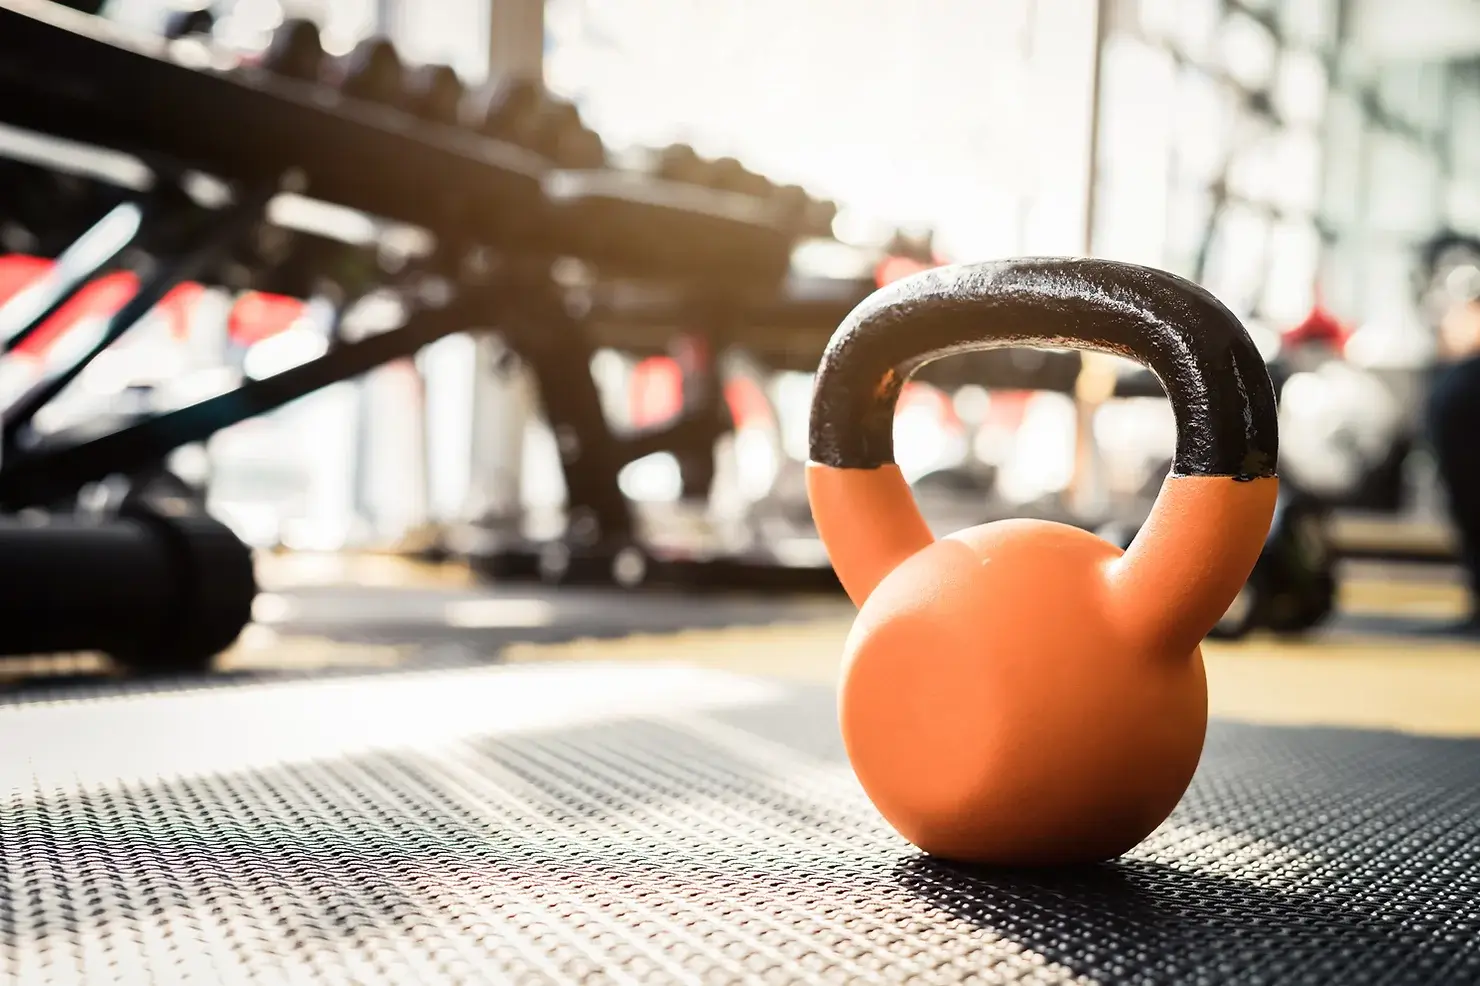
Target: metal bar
[49,474]
[387,22]
[32,308]
[501,405]
[222,235]
[1096,125]
[516,38]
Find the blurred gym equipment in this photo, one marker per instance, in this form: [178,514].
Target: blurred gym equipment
[296,127]
[156,585]
[692,258]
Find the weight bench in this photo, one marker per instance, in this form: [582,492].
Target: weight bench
[600,823]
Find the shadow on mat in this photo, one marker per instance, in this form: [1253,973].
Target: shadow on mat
[1143,921]
[1298,855]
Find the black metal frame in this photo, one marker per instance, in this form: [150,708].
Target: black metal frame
[78,78]
[218,238]
[49,474]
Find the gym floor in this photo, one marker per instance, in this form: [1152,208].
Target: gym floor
[401,775]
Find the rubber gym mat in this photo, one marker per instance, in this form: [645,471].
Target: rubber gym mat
[587,823]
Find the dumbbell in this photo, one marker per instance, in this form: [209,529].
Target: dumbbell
[729,175]
[189,24]
[504,110]
[373,73]
[581,149]
[803,213]
[520,111]
[295,52]
[548,125]
[435,93]
[562,136]
[681,163]
[791,202]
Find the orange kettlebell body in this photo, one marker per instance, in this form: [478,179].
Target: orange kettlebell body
[1021,693]
[1053,738]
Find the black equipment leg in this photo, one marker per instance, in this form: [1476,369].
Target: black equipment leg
[1454,407]
[559,352]
[601,542]
[705,415]
[600,526]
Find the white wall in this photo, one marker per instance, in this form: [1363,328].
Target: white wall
[1416,29]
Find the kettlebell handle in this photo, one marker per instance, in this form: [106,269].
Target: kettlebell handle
[1209,522]
[1214,376]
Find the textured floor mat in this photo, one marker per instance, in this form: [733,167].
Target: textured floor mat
[639,825]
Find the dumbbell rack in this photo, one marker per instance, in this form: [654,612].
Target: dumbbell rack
[500,216]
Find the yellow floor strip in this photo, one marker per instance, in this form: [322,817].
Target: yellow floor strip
[1422,600]
[1432,689]
[1379,533]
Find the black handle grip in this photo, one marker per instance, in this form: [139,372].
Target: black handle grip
[156,589]
[1217,382]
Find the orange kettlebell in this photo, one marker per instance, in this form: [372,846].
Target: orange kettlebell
[1022,692]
